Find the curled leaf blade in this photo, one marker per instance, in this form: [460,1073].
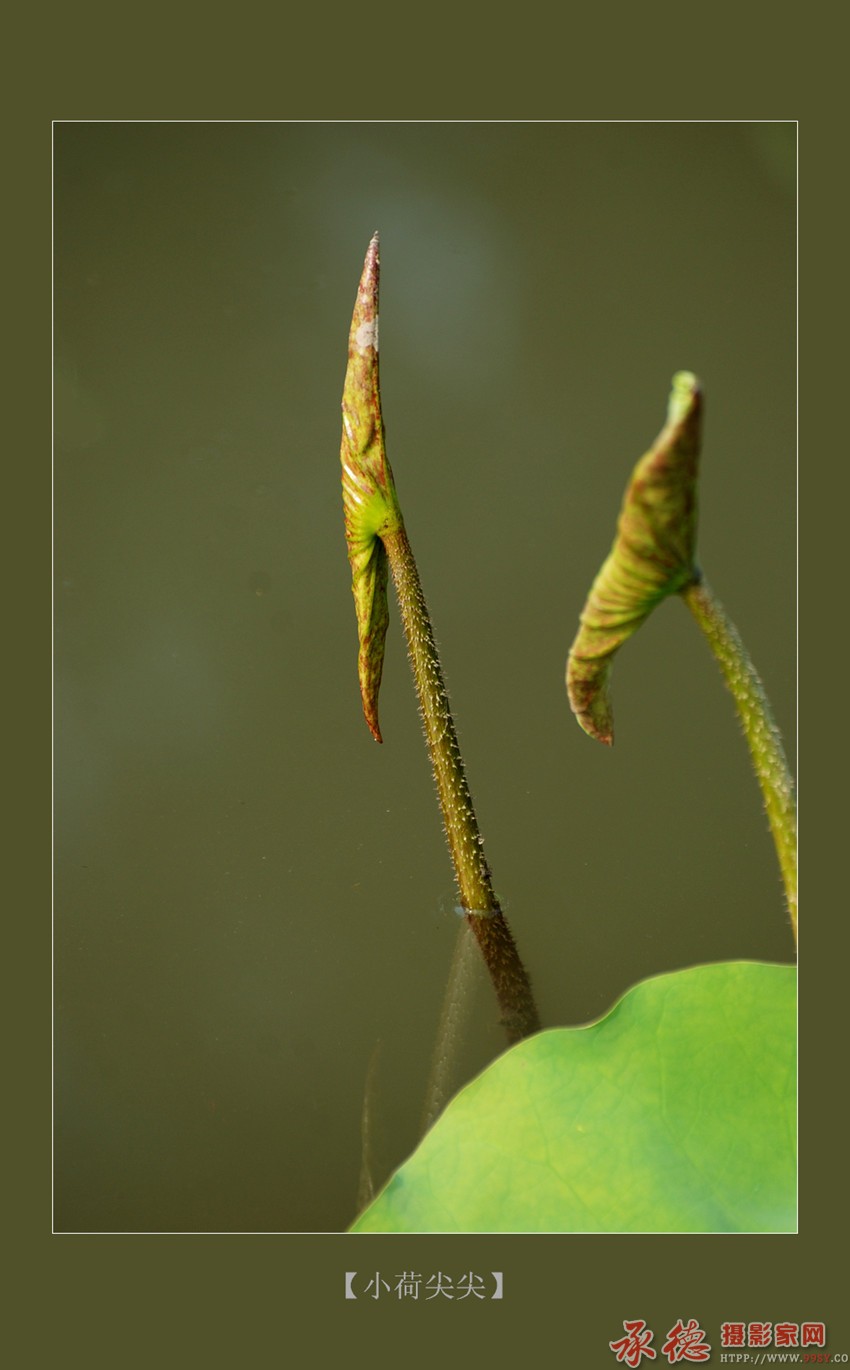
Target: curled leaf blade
[369,500]
[653,556]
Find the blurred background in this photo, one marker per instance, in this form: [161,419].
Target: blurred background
[253,901]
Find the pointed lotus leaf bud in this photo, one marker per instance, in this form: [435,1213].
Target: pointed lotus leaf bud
[368,493]
[653,556]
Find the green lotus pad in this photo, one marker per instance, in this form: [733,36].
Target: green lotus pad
[674,1113]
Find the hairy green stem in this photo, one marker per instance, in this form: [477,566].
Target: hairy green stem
[760,730]
[485,918]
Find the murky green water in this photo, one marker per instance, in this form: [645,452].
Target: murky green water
[249,892]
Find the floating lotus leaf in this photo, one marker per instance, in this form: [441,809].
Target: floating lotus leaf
[674,1113]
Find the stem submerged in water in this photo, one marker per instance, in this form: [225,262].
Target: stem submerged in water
[450,1030]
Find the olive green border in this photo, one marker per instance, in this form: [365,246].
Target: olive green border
[246,1300]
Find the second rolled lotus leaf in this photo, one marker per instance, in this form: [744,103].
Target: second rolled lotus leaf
[653,556]
[368,492]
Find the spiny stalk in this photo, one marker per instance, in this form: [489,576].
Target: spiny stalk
[488,923]
[762,734]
